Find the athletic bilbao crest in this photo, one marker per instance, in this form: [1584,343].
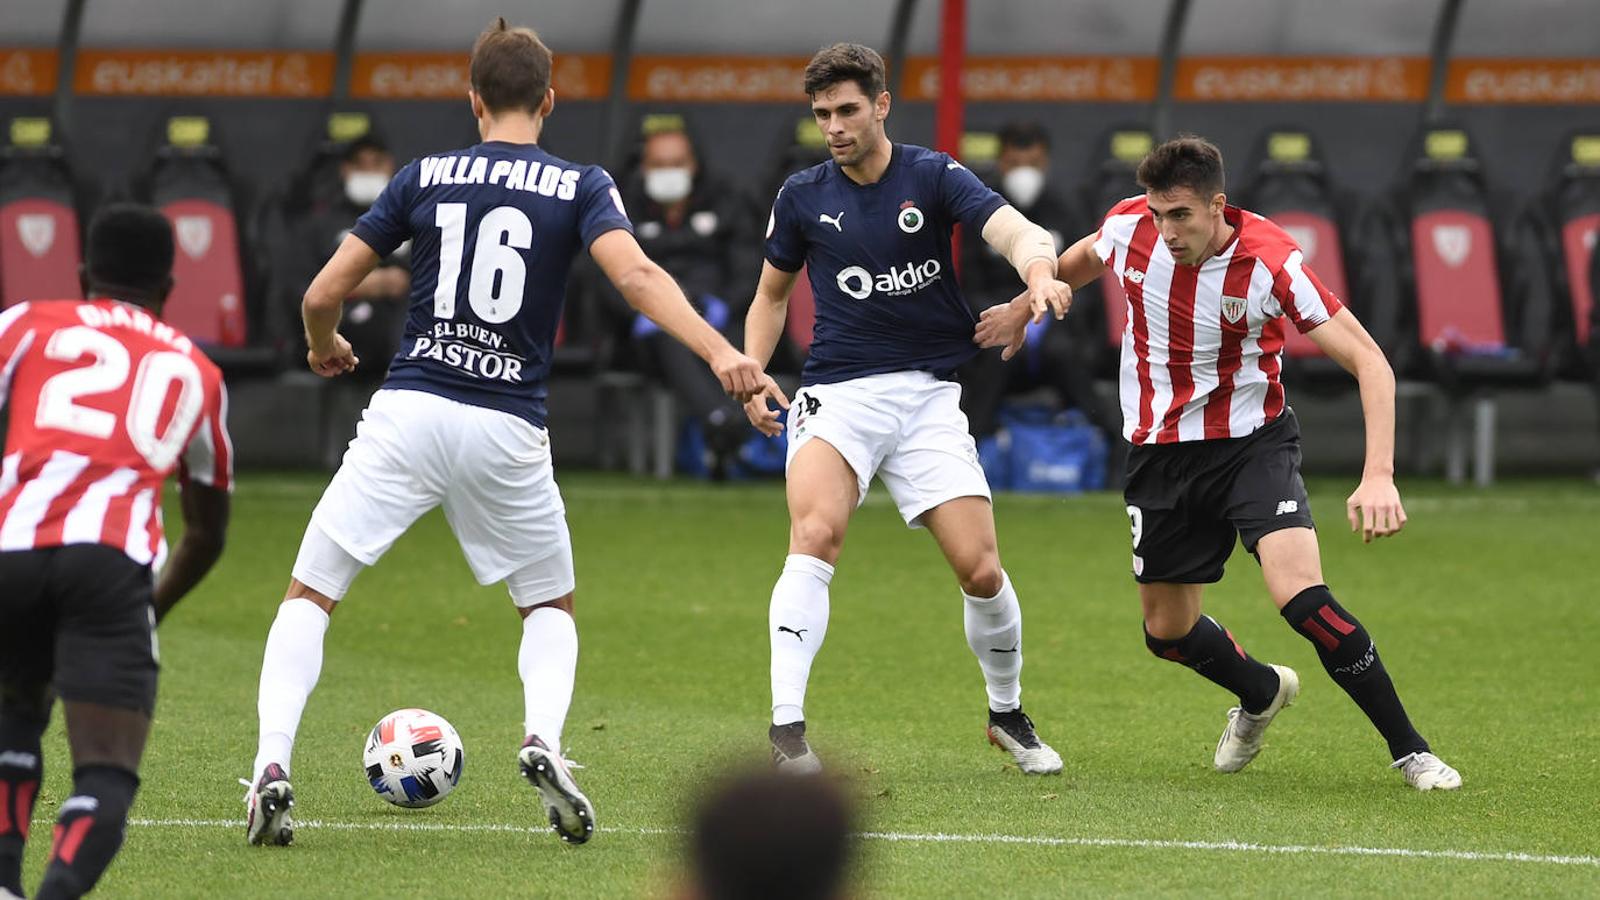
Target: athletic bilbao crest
[1233,308]
[194,235]
[38,232]
[1453,243]
[1306,237]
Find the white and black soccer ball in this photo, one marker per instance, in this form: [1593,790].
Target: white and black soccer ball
[413,758]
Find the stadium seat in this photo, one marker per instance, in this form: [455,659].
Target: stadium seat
[189,184]
[39,244]
[1555,242]
[1476,337]
[1102,306]
[1290,185]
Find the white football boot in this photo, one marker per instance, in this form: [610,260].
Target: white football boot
[1427,772]
[1013,732]
[267,808]
[1241,740]
[571,814]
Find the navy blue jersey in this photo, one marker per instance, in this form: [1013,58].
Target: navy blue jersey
[493,229]
[878,258]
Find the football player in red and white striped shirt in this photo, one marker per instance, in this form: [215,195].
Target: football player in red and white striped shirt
[103,402]
[1216,448]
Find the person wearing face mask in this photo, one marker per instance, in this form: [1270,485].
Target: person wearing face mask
[1051,358]
[375,311]
[695,226]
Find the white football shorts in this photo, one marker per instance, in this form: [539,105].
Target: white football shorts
[907,428]
[489,469]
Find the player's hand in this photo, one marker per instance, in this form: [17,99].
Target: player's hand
[335,359]
[762,415]
[1049,295]
[1004,325]
[1375,510]
[741,376]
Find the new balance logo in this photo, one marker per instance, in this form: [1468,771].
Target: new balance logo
[797,634]
[1287,506]
[1135,276]
[833,220]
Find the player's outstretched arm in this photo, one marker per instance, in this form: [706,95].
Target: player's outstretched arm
[1032,252]
[327,352]
[1374,509]
[205,528]
[763,325]
[1006,324]
[649,289]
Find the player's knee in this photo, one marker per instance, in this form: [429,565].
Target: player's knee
[816,536]
[300,591]
[983,579]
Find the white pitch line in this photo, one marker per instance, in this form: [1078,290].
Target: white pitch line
[909,838]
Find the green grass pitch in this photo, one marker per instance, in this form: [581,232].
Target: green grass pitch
[1485,609]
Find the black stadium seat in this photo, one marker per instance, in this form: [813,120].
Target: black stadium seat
[39,234]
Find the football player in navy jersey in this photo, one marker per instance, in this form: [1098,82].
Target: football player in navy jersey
[872,228]
[460,420]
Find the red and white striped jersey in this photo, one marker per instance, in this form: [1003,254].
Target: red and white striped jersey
[1202,348]
[104,402]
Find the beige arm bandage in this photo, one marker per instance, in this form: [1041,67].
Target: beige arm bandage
[1020,241]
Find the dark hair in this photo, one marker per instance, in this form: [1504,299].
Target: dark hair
[772,835]
[129,246]
[510,68]
[361,145]
[1187,161]
[846,62]
[1023,134]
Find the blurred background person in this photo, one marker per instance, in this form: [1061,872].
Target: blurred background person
[770,836]
[694,224]
[375,313]
[1052,357]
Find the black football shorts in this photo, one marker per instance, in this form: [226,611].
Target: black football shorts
[80,618]
[1189,502]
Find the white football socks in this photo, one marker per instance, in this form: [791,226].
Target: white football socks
[797,620]
[994,632]
[548,663]
[289,670]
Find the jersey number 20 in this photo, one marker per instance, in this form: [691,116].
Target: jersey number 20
[498,272]
[158,372]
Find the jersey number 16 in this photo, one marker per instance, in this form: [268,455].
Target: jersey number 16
[498,272]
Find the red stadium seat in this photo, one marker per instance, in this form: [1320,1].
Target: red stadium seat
[1578,239]
[1477,335]
[1117,156]
[207,300]
[39,243]
[39,255]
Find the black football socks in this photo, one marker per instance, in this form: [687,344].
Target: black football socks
[1352,661]
[1210,649]
[89,830]
[21,768]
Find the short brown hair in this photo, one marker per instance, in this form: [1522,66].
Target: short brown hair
[510,68]
[846,62]
[1187,161]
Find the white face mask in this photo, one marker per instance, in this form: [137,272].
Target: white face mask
[1023,185]
[363,188]
[667,186]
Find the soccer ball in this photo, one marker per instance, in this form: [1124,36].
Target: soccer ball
[413,758]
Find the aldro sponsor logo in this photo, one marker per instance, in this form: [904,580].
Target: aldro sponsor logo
[898,282]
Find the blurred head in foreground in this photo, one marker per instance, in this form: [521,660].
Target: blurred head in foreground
[773,837]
